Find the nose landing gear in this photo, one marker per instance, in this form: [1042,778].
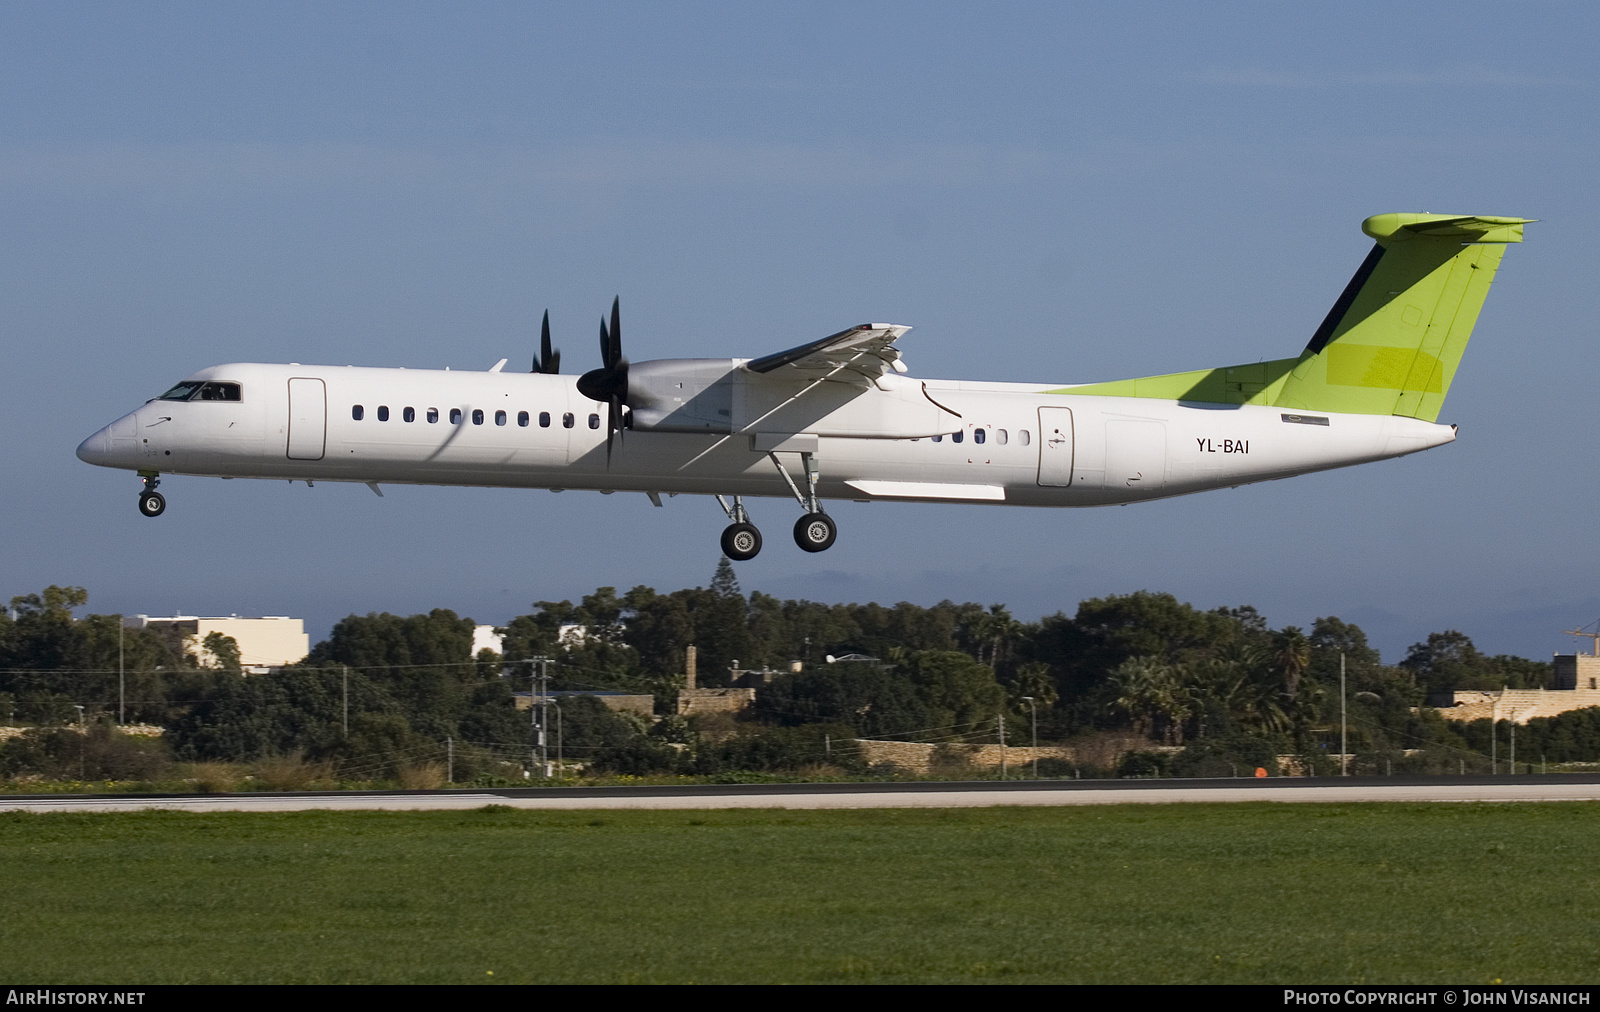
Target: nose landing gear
[151,502]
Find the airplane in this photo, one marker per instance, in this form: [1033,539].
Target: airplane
[840,418]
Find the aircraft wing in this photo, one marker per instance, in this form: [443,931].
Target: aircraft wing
[863,352]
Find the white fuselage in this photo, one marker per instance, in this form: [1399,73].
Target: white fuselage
[1010,443]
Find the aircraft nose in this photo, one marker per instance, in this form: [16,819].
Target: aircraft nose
[97,449]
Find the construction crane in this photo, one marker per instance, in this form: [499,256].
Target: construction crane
[1583,632]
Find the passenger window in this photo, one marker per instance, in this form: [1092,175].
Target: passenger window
[383,412]
[499,417]
[357,411]
[566,420]
[455,416]
[955,437]
[409,414]
[522,419]
[433,415]
[1022,436]
[1000,436]
[544,419]
[977,435]
[594,421]
[477,416]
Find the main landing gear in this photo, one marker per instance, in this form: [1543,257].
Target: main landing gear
[741,541]
[813,532]
[151,502]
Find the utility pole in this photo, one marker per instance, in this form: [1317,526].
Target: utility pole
[122,677]
[540,683]
[1034,712]
[1002,745]
[1344,727]
[1494,736]
[345,695]
[1513,743]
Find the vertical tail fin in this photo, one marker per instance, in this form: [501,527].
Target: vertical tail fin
[1392,341]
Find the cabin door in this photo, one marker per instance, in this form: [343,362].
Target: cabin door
[308,419]
[1055,446]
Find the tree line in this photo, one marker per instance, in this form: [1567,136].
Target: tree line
[1205,691]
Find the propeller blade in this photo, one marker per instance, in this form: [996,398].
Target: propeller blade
[616,331]
[549,359]
[609,383]
[611,425]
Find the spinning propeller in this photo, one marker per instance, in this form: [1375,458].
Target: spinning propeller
[609,383]
[548,360]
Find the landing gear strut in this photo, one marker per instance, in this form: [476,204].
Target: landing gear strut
[815,531]
[741,541]
[151,502]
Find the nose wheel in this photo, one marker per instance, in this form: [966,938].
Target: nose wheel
[151,502]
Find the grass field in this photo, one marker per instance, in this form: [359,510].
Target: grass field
[1183,893]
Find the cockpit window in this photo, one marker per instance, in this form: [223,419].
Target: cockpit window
[218,392]
[194,390]
[183,391]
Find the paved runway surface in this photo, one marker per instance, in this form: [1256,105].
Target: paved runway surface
[967,794]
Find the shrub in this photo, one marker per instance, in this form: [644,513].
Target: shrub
[99,752]
[214,778]
[291,773]
[1145,764]
[422,776]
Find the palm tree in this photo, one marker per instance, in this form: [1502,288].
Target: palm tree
[1292,658]
[1148,688]
[1033,680]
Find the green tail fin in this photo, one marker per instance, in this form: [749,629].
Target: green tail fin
[1392,341]
[1391,344]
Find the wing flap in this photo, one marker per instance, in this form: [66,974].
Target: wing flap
[866,350]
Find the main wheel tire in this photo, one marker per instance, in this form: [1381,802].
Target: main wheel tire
[741,542]
[815,532]
[152,504]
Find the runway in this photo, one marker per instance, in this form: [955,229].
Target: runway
[962,794]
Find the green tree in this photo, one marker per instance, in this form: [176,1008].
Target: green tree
[223,650]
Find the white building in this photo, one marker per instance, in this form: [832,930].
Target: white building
[485,638]
[267,641]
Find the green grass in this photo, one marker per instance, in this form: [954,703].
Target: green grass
[1182,893]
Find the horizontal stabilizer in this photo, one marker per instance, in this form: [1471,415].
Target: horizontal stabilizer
[1462,228]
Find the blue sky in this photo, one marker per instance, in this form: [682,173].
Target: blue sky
[1045,192]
